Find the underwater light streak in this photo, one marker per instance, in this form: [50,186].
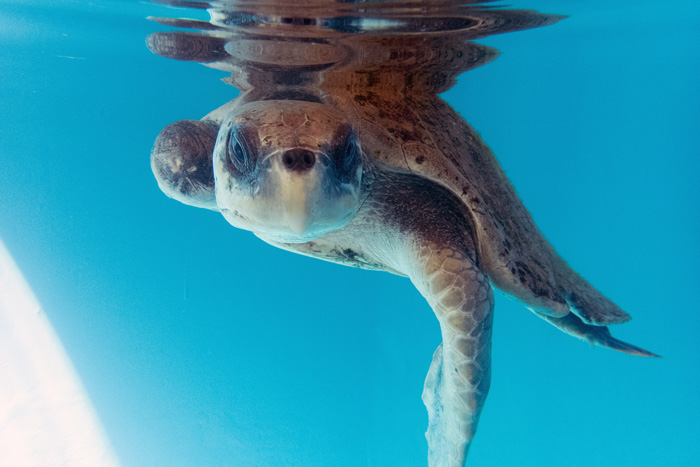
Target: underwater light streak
[46,417]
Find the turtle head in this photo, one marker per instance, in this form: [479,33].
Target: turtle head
[289,171]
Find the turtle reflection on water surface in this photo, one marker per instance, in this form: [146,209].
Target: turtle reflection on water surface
[340,148]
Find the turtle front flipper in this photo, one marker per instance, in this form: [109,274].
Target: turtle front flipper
[181,160]
[439,255]
[458,379]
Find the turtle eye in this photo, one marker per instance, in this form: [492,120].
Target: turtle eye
[236,154]
[240,155]
[347,157]
[351,157]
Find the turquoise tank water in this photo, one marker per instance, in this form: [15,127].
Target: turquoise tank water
[200,345]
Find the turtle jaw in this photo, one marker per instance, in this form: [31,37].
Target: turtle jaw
[286,203]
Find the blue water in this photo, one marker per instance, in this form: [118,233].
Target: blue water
[201,345]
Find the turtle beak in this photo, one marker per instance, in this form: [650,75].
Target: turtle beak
[300,181]
[299,222]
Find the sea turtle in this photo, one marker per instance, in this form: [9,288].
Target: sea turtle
[379,175]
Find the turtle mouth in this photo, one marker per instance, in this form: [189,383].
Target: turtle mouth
[233,214]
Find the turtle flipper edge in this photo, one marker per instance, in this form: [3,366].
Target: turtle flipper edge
[588,303]
[595,335]
[589,311]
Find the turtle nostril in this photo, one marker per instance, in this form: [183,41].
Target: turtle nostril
[298,159]
[307,159]
[288,160]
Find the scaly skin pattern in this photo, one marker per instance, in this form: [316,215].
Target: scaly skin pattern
[459,375]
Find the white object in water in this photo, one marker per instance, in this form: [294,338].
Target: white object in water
[46,417]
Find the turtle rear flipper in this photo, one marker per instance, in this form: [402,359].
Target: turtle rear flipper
[595,335]
[589,304]
[555,291]
[536,275]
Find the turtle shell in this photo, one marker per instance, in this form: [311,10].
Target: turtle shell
[420,133]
